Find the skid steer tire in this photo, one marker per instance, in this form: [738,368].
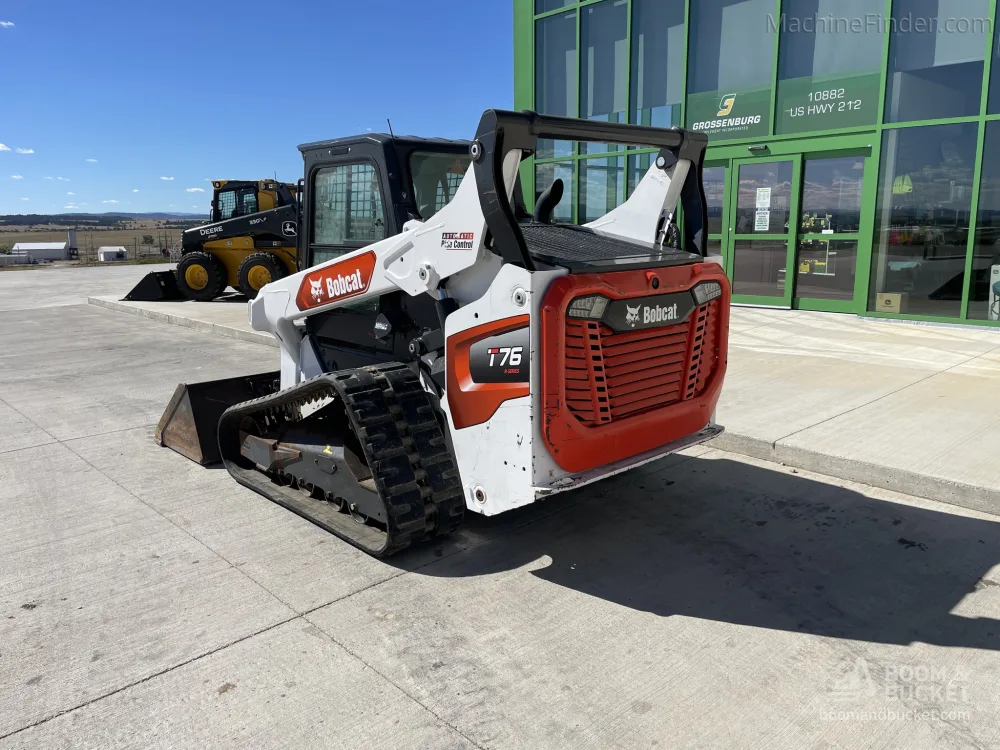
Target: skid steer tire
[258,269]
[201,276]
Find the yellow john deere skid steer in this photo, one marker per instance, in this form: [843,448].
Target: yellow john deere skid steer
[250,242]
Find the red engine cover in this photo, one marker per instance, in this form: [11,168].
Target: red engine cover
[609,395]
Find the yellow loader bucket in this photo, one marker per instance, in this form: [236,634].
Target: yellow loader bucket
[189,424]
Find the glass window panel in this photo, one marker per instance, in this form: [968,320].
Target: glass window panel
[830,64]
[831,195]
[435,178]
[603,66]
[826,269]
[714,180]
[936,56]
[984,294]
[555,75]
[601,182]
[759,267]
[730,59]
[543,6]
[764,198]
[545,175]
[347,205]
[714,248]
[922,219]
[227,204]
[638,165]
[657,62]
[993,101]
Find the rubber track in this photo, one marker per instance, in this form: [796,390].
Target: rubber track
[396,424]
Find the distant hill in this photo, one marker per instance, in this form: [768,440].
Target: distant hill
[103,219]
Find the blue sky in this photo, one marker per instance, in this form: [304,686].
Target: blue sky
[110,97]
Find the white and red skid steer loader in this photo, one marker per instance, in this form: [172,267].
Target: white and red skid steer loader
[503,358]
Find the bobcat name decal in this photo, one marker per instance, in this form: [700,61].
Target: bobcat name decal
[346,278]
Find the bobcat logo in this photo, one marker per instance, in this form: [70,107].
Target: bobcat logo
[317,288]
[633,315]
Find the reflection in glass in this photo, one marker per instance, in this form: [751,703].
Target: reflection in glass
[993,100]
[764,198]
[935,67]
[828,72]
[922,219]
[638,165]
[555,75]
[601,183]
[984,296]
[603,66]
[657,62]
[714,248]
[541,6]
[825,269]
[831,195]
[545,175]
[759,267]
[714,180]
[730,63]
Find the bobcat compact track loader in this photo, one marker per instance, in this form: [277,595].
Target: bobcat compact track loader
[502,361]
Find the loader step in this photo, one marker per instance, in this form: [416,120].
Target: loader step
[360,453]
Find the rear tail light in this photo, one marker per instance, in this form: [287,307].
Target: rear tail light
[589,308]
[707,291]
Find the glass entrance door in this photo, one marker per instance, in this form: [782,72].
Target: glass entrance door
[829,229]
[761,237]
[792,228]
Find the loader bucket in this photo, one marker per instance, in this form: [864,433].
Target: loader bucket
[155,286]
[190,423]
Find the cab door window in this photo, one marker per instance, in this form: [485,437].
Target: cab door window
[347,210]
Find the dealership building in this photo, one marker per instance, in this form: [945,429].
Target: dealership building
[854,145]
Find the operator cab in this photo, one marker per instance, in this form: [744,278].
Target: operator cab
[359,190]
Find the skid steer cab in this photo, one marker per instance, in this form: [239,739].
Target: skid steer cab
[481,359]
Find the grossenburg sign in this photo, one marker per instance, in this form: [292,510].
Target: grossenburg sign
[730,115]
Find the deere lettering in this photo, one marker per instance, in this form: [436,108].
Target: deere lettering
[659,314]
[210,230]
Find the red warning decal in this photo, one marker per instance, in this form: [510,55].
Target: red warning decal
[348,278]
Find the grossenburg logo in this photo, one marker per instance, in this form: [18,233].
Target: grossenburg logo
[348,278]
[726,123]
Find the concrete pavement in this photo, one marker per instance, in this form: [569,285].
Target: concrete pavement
[707,600]
[911,408]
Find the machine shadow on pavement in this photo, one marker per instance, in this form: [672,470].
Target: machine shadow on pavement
[729,541]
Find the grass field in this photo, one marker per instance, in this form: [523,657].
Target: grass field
[88,241]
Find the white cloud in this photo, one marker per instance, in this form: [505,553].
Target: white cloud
[69,206]
[16,177]
[196,190]
[48,178]
[25,150]
[111,201]
[136,190]
[168,179]
[4,148]
[26,199]
[92,161]
[70,193]
[6,24]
